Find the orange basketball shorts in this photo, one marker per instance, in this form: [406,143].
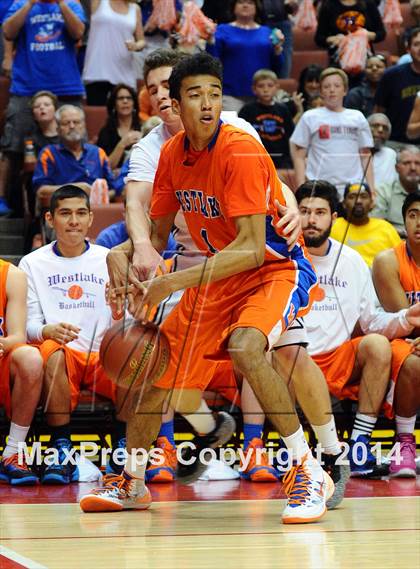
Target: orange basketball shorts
[267,299]
[83,370]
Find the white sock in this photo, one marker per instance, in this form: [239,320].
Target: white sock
[202,420]
[327,437]
[133,469]
[17,434]
[363,425]
[297,444]
[405,424]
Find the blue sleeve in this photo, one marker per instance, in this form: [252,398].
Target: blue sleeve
[44,170]
[77,8]
[106,172]
[119,180]
[16,5]
[104,239]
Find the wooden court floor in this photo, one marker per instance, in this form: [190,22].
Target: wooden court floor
[222,525]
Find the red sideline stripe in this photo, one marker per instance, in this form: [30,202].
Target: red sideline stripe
[6,563]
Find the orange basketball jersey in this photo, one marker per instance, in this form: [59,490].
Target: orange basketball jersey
[409,272]
[234,176]
[4,271]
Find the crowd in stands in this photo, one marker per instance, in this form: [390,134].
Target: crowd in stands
[347,142]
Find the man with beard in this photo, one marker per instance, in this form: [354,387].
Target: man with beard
[357,368]
[384,158]
[367,235]
[390,196]
[72,161]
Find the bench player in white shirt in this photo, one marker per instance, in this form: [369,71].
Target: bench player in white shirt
[68,316]
[143,166]
[357,368]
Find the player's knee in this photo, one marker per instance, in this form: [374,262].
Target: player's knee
[56,364]
[246,347]
[27,365]
[375,349]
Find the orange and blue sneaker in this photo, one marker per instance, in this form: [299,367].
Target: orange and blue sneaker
[258,468]
[166,471]
[63,470]
[308,488]
[16,473]
[118,493]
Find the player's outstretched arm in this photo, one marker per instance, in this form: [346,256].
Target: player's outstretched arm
[16,292]
[145,258]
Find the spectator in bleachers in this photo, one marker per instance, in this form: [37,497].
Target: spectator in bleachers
[332,134]
[116,32]
[72,161]
[362,97]
[44,106]
[45,34]
[397,91]
[271,120]
[384,158]
[366,235]
[390,196]
[122,128]
[68,316]
[276,14]
[21,374]
[356,368]
[244,46]
[413,125]
[309,83]
[396,276]
[403,38]
[337,18]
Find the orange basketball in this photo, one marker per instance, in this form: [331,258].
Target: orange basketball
[131,352]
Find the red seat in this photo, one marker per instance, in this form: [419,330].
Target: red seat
[289,85]
[95,120]
[104,216]
[304,41]
[302,59]
[389,45]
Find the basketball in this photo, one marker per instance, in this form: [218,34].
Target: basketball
[131,352]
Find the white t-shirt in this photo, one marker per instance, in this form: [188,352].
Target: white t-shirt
[68,289]
[384,166]
[107,57]
[348,296]
[333,140]
[144,161]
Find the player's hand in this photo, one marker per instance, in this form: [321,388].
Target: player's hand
[121,276]
[151,294]
[290,223]
[147,262]
[62,333]
[413,315]
[415,346]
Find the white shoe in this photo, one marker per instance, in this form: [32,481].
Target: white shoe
[118,493]
[308,487]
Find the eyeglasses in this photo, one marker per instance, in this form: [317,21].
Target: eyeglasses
[125,98]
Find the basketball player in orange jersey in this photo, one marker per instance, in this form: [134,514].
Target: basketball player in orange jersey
[290,355]
[20,374]
[396,275]
[238,302]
